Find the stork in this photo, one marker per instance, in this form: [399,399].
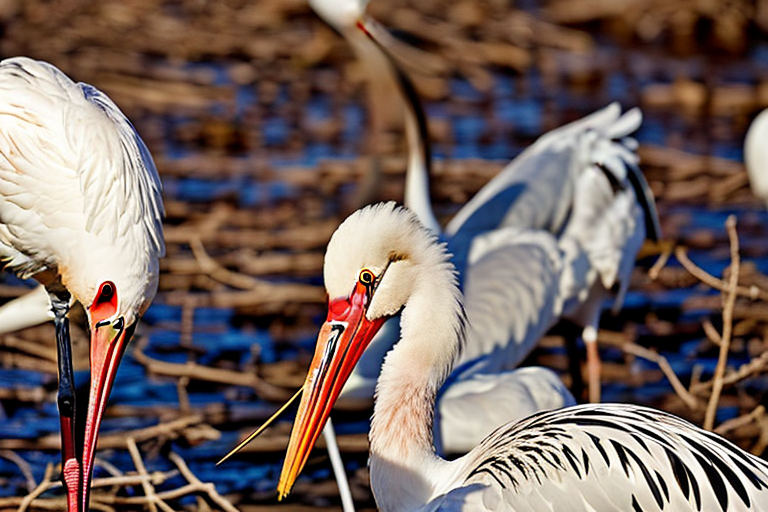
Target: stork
[516,287]
[606,457]
[81,212]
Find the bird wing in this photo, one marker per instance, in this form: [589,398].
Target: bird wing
[610,457]
[756,155]
[71,165]
[534,190]
[511,290]
[600,241]
[139,190]
[473,407]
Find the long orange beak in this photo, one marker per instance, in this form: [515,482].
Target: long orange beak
[342,340]
[107,347]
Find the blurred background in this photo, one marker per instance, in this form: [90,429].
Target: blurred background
[257,116]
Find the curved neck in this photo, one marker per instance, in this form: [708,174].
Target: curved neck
[417,190]
[405,470]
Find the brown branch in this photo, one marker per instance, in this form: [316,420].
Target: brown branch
[225,276]
[169,429]
[744,419]
[655,270]
[751,292]
[633,348]
[205,373]
[711,332]
[725,338]
[755,366]
[40,489]
[209,488]
[149,490]
[762,442]
[23,467]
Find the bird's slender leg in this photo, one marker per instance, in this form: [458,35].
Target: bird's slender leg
[70,464]
[347,505]
[593,363]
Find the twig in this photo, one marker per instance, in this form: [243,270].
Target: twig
[23,467]
[753,367]
[711,332]
[660,263]
[729,303]
[40,489]
[696,372]
[219,273]
[751,292]
[208,488]
[149,491]
[170,429]
[205,373]
[762,442]
[639,351]
[744,419]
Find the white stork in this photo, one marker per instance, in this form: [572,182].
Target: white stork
[594,457]
[81,212]
[517,287]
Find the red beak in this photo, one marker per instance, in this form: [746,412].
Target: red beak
[107,347]
[342,340]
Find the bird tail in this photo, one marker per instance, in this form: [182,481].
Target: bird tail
[613,209]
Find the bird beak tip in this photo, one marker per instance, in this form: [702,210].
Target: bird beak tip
[340,343]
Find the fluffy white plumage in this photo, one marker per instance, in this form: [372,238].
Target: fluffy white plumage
[79,193]
[81,212]
[606,457]
[756,155]
[546,238]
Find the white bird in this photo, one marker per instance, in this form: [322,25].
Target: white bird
[81,212]
[563,266]
[595,457]
[756,155]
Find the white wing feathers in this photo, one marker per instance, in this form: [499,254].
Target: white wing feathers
[578,225]
[512,297]
[609,458]
[134,173]
[69,161]
[471,408]
[549,169]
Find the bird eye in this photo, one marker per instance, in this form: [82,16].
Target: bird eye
[119,324]
[366,277]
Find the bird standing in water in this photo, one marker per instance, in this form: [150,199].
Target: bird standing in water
[81,212]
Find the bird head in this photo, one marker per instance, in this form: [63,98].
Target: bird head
[341,15]
[372,267]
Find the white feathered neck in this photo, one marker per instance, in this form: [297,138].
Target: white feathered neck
[415,275]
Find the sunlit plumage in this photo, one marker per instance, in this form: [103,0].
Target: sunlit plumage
[756,155]
[606,457]
[547,238]
[81,212]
